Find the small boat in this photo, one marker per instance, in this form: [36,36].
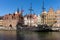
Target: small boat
[55,28]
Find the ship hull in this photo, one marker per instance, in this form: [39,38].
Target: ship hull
[37,29]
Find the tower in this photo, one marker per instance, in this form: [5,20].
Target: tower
[43,14]
[17,10]
[43,9]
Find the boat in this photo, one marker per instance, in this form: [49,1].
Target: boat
[38,28]
[55,28]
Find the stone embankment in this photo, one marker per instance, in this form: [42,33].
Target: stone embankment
[7,28]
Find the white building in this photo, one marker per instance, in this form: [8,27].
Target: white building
[30,20]
[25,20]
[39,20]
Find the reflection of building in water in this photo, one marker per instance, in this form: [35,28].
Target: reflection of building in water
[30,20]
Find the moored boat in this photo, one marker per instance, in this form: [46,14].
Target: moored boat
[38,28]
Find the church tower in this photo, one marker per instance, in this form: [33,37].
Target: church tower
[44,13]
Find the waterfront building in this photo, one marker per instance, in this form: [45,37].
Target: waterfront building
[58,16]
[30,20]
[8,20]
[1,20]
[43,14]
[12,19]
[57,24]
[38,20]
[25,20]
[44,18]
[51,17]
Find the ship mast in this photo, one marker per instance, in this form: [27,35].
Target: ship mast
[22,11]
[30,12]
[31,8]
[43,9]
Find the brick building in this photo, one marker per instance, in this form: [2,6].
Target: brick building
[12,19]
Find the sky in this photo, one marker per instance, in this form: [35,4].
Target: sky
[10,6]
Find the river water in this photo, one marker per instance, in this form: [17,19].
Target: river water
[26,35]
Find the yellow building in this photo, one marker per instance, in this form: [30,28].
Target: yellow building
[58,16]
[51,17]
[57,24]
[43,17]
[1,22]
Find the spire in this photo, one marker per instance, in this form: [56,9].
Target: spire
[31,8]
[43,9]
[22,10]
[17,10]
[51,9]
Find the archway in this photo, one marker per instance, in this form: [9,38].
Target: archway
[10,26]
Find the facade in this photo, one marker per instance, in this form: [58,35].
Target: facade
[51,17]
[30,20]
[25,20]
[58,16]
[44,18]
[57,24]
[1,21]
[39,20]
[11,19]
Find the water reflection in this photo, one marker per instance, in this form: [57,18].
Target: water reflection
[7,35]
[38,35]
[28,35]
